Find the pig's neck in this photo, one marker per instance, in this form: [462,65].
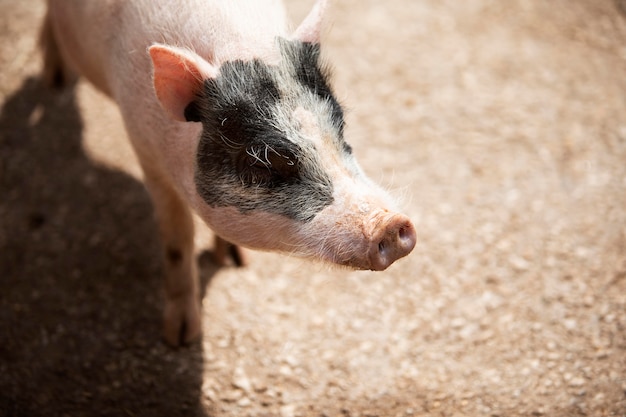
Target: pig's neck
[179,157]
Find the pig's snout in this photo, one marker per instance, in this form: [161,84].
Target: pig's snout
[393,236]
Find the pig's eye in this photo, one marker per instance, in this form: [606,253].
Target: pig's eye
[268,166]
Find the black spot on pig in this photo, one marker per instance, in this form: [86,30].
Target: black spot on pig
[249,81]
[246,158]
[314,76]
[192,112]
[174,255]
[36,220]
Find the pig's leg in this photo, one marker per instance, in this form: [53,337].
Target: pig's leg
[224,250]
[182,323]
[55,72]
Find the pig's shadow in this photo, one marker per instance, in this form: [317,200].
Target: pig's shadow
[80,277]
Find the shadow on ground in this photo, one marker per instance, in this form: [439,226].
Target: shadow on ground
[80,272]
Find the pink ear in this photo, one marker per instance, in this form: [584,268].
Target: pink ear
[309,29]
[178,76]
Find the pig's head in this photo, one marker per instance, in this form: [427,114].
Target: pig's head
[273,170]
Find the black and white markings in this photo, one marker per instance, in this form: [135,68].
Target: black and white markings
[253,154]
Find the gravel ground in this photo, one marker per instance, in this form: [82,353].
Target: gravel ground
[500,125]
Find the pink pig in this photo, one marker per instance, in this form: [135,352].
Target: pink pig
[231,116]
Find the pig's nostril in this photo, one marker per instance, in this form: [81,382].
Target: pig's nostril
[381,247]
[406,236]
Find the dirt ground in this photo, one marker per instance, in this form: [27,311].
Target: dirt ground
[501,127]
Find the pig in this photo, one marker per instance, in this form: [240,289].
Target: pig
[232,116]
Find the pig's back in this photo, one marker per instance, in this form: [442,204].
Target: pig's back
[106,41]
[217,30]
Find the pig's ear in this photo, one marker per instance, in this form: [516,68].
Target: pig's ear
[179,75]
[310,28]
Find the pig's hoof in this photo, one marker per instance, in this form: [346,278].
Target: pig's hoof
[182,324]
[225,251]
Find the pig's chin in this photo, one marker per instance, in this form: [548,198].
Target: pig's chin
[349,263]
[271,232]
[339,249]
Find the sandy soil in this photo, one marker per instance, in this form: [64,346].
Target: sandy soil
[501,125]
